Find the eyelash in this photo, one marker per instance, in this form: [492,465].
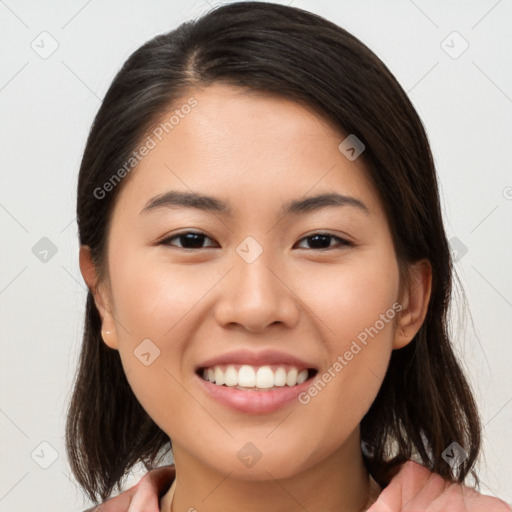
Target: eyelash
[343,242]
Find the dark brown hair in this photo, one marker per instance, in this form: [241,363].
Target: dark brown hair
[425,402]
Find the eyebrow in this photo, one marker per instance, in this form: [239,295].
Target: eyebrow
[212,204]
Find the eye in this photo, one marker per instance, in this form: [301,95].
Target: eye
[195,240]
[322,240]
[188,240]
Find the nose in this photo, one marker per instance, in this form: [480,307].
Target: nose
[256,295]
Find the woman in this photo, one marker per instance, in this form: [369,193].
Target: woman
[298,357]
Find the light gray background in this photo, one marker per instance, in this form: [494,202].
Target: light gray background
[47,106]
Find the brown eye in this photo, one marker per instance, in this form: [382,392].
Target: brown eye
[322,241]
[188,240]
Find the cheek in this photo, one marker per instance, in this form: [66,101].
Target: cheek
[156,302]
[153,302]
[350,297]
[354,305]
[154,296]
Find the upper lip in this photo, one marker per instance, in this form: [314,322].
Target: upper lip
[264,357]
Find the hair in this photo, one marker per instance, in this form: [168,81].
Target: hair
[425,402]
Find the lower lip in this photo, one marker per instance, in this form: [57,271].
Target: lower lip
[253,402]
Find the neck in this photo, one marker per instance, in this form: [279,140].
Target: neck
[338,482]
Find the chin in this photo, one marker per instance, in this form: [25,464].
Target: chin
[260,460]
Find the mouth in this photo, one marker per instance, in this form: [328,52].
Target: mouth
[256,378]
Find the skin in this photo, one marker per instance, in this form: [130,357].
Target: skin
[255,152]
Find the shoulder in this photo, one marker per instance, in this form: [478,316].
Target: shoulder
[146,492]
[415,488]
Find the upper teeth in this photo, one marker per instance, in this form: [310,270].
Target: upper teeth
[262,377]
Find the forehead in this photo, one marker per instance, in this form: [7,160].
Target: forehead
[253,149]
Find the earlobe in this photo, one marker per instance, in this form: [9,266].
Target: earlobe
[88,270]
[109,335]
[415,302]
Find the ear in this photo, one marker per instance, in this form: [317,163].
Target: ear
[101,297]
[414,300]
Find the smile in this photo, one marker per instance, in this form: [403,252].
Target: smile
[248,377]
[254,389]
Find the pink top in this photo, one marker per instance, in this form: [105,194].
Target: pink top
[416,489]
[413,489]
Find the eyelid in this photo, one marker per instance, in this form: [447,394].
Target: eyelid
[340,236]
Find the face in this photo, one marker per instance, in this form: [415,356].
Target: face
[314,288]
